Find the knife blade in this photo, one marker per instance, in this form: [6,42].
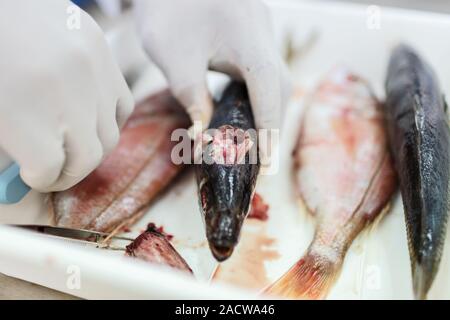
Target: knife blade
[100,239]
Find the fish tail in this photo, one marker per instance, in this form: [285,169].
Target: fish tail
[310,278]
[421,282]
[423,275]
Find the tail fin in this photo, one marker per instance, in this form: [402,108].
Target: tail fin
[310,278]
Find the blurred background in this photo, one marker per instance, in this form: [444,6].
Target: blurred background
[442,6]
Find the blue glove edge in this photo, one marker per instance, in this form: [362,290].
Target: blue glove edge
[12,187]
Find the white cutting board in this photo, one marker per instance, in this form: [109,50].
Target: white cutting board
[377,264]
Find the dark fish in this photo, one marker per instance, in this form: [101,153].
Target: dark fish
[420,141]
[154,247]
[227,175]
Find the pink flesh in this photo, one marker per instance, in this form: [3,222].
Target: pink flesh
[131,176]
[344,172]
[155,248]
[227,145]
[230,145]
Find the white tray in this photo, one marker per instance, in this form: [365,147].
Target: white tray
[377,264]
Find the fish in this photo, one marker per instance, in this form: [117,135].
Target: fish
[137,171]
[420,142]
[154,247]
[227,174]
[344,175]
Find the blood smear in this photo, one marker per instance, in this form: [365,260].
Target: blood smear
[246,267]
[259,209]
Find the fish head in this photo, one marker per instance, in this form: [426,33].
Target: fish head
[225,194]
[426,259]
[226,180]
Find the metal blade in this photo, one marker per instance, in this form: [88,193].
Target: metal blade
[76,234]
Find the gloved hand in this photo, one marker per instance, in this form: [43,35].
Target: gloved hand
[185,38]
[62,96]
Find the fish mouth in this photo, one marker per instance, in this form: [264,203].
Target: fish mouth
[221,253]
[222,233]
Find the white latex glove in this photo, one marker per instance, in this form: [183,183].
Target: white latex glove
[111,8]
[185,38]
[62,96]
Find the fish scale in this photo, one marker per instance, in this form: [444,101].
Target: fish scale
[344,175]
[420,141]
[225,189]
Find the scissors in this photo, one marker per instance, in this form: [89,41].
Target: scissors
[12,187]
